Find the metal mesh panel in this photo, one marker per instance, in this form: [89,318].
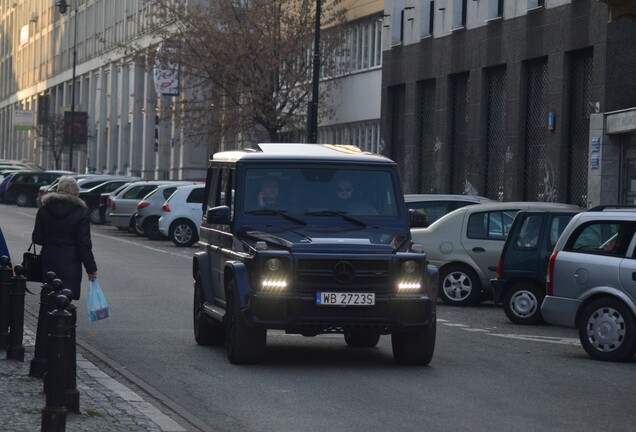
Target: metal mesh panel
[539,177]
[460,161]
[580,91]
[430,161]
[499,155]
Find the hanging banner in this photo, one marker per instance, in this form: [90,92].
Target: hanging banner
[23,120]
[166,74]
[75,127]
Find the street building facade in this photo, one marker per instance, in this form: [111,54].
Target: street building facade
[53,63]
[513,100]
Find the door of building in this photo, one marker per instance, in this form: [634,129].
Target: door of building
[628,193]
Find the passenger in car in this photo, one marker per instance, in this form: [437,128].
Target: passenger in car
[268,195]
[346,201]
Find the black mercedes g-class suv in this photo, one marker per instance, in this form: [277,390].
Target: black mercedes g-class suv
[310,239]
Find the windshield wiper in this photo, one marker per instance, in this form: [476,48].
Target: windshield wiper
[337,213]
[277,212]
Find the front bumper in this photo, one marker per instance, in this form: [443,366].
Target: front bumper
[296,313]
[560,311]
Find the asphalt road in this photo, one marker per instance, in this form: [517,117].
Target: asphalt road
[487,374]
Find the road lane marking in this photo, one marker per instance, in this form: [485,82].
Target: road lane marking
[448,324]
[548,339]
[189,257]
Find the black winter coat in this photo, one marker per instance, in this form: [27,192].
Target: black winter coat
[62,227]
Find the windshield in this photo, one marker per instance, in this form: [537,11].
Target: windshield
[320,192]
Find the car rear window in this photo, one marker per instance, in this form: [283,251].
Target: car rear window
[196,196]
[493,225]
[602,237]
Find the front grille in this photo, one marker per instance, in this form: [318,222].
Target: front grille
[323,274]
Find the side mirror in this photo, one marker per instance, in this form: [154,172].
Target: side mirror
[418,219]
[218,215]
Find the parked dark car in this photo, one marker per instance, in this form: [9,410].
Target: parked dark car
[104,203]
[522,268]
[4,182]
[23,187]
[92,196]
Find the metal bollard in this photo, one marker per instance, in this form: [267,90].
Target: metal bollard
[54,413]
[38,362]
[15,350]
[72,395]
[5,284]
[58,286]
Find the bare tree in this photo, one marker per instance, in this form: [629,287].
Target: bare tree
[51,133]
[245,65]
[53,139]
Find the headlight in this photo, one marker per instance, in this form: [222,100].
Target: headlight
[273,264]
[410,267]
[410,277]
[275,274]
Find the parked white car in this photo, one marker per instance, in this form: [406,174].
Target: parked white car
[182,215]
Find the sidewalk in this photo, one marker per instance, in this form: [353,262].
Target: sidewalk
[106,405]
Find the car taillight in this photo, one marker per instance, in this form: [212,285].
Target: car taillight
[111,204]
[9,185]
[165,207]
[142,205]
[550,275]
[499,268]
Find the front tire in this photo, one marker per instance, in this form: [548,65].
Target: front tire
[183,233]
[414,347]
[362,340]
[22,200]
[607,329]
[139,231]
[459,285]
[207,331]
[522,303]
[151,228]
[96,218]
[244,345]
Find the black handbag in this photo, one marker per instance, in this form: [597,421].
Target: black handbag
[32,263]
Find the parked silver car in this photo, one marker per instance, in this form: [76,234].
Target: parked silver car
[124,204]
[149,210]
[466,245]
[434,206]
[591,284]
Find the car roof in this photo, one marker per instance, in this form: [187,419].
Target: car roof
[302,152]
[446,197]
[496,205]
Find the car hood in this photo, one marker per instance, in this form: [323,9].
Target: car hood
[340,240]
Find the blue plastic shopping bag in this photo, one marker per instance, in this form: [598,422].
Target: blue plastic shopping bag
[96,302]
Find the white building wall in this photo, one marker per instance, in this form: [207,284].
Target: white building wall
[119,95]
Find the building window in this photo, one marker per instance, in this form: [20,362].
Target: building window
[397,22]
[364,134]
[427,8]
[459,14]
[495,9]
[534,4]
[361,49]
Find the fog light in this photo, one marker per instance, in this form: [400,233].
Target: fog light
[409,286]
[273,285]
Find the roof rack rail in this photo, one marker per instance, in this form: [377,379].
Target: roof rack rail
[612,206]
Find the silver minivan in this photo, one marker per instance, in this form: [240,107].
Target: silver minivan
[591,282]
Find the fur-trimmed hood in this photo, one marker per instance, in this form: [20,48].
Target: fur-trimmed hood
[62,204]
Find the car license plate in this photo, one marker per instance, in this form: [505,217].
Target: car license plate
[344,299]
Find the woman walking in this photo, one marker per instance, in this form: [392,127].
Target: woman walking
[62,227]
